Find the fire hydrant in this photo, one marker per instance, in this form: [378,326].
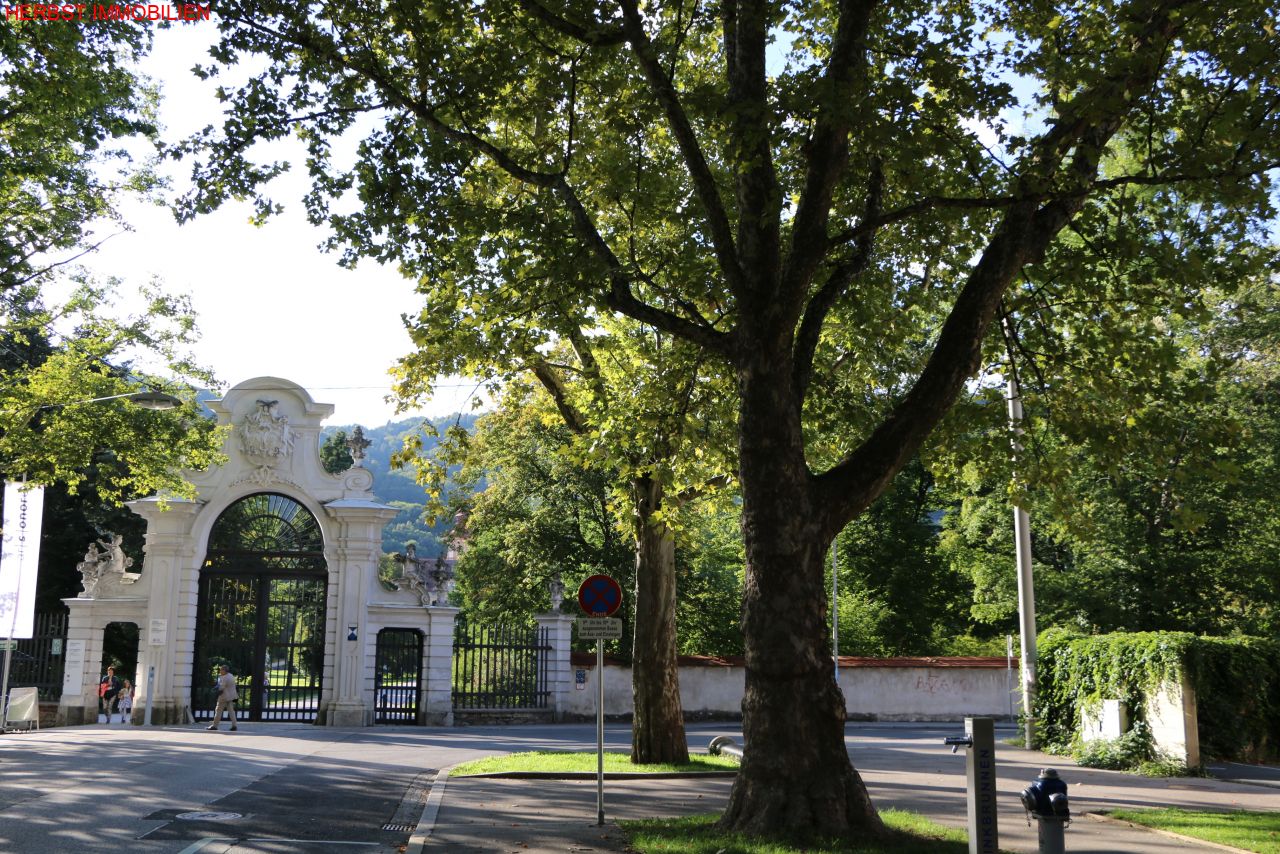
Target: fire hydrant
[1046,800]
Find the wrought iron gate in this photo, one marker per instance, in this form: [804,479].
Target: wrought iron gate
[500,667]
[262,610]
[398,676]
[37,662]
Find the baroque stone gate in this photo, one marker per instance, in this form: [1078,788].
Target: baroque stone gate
[272,569]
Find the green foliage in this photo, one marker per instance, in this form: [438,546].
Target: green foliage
[539,515]
[335,456]
[1078,672]
[67,95]
[58,423]
[1237,685]
[897,596]
[398,486]
[1236,682]
[709,571]
[1126,753]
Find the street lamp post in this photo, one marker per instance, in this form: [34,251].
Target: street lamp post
[1026,586]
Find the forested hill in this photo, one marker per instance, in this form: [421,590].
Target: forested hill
[396,487]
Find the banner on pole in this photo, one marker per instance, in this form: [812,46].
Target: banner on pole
[19,559]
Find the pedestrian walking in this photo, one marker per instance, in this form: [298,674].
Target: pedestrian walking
[227,697]
[125,701]
[108,690]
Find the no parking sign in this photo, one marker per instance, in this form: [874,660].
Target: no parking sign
[599,596]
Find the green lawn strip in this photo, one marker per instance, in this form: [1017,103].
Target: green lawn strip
[697,834]
[567,762]
[1252,831]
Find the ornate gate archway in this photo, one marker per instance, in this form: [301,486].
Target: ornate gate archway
[261,610]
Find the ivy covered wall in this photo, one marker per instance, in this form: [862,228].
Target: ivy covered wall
[1236,682]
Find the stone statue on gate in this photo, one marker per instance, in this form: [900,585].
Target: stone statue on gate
[431,580]
[106,564]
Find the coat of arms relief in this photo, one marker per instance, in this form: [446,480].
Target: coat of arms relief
[266,440]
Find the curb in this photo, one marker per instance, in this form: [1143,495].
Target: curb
[1106,819]
[427,821]
[591,775]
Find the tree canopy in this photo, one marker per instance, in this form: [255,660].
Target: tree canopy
[68,93]
[831,201]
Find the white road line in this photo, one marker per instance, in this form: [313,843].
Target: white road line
[200,843]
[196,846]
[427,821]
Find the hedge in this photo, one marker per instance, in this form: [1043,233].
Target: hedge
[1236,680]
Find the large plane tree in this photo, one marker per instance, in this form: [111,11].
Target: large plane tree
[827,197]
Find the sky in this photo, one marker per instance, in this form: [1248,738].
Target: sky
[269,303]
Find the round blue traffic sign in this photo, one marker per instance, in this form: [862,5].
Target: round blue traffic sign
[600,596]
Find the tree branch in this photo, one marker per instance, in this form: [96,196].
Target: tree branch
[827,150]
[1027,228]
[554,385]
[704,182]
[820,305]
[593,34]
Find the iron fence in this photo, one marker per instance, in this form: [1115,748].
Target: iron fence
[500,667]
[38,660]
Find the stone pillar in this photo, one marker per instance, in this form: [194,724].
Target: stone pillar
[79,703]
[437,669]
[559,629]
[1174,721]
[359,526]
[171,569]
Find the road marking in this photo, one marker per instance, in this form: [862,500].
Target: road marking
[198,844]
[427,821]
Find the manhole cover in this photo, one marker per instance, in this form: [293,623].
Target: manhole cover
[208,816]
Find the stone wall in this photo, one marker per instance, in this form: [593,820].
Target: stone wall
[885,689]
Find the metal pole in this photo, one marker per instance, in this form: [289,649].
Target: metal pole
[599,733]
[4,692]
[151,684]
[835,612]
[1026,585]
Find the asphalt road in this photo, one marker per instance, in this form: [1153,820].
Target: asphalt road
[292,788]
[266,787]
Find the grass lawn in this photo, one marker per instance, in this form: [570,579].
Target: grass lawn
[1252,831]
[563,762]
[913,834]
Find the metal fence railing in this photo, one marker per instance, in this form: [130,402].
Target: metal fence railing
[500,667]
[38,660]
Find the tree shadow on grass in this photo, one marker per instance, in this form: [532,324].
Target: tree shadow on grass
[908,834]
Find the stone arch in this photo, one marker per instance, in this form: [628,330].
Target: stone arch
[263,608]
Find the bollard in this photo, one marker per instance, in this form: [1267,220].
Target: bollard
[1046,799]
[723,744]
[979,741]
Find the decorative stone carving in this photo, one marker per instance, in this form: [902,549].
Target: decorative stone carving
[107,564]
[432,581]
[266,439]
[358,480]
[557,592]
[357,444]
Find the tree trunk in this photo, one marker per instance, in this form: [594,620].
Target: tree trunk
[796,779]
[657,727]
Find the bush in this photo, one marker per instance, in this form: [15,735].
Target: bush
[1125,753]
[1236,681]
